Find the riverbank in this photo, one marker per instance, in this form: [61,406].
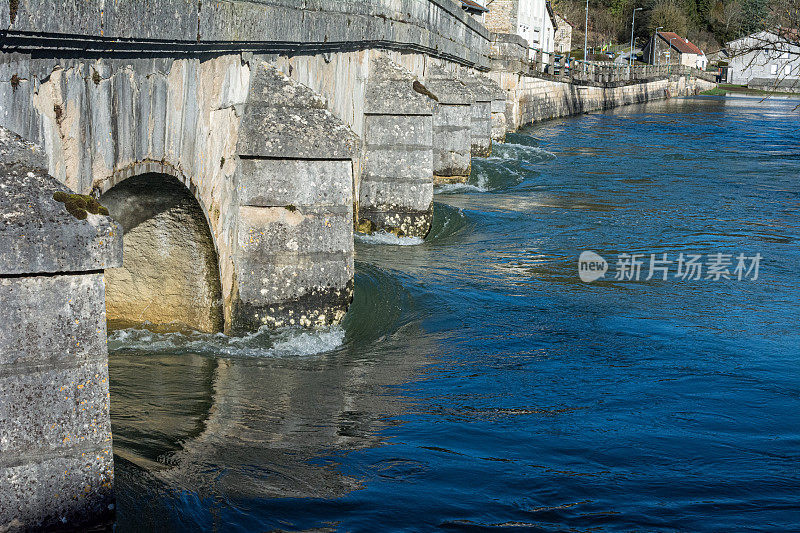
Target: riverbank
[536,99]
[724,89]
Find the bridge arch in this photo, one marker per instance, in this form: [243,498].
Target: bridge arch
[170,276]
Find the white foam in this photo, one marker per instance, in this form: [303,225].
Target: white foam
[517,151]
[459,187]
[283,342]
[383,237]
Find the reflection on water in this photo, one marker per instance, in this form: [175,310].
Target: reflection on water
[477,383]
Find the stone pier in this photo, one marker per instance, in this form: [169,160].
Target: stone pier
[56,461]
[295,214]
[481,122]
[396,186]
[452,127]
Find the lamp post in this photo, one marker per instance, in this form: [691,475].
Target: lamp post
[655,45]
[670,53]
[585,36]
[633,22]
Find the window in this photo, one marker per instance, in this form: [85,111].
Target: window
[787,70]
[773,69]
[785,55]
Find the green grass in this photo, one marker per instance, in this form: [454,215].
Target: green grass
[726,88]
[716,91]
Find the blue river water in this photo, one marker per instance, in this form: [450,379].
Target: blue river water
[478,384]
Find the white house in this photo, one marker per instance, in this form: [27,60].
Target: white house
[533,20]
[766,60]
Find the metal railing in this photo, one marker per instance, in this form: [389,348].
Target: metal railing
[564,68]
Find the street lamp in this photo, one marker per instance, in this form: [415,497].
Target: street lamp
[655,45]
[585,36]
[670,51]
[633,22]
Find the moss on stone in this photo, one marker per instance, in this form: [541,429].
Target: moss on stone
[396,231]
[15,82]
[365,226]
[59,111]
[80,205]
[291,208]
[96,77]
[13,7]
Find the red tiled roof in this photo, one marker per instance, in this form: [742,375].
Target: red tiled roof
[469,4]
[679,43]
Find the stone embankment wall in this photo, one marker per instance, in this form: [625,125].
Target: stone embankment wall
[535,99]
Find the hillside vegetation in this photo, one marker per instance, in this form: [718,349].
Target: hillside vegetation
[707,23]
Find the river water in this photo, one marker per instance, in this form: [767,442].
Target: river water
[478,383]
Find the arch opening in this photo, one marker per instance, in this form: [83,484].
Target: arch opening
[169,279]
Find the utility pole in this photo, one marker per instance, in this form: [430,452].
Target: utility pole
[585,36]
[655,45]
[633,22]
[670,54]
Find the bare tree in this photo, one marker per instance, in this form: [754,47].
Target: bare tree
[773,50]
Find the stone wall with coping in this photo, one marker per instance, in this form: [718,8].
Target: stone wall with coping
[434,27]
[535,99]
[56,460]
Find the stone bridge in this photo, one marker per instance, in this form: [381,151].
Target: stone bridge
[237,146]
[285,120]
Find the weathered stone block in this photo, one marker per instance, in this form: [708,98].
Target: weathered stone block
[53,410]
[452,142]
[75,308]
[280,183]
[58,492]
[37,234]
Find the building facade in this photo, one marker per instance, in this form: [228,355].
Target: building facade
[669,48]
[563,36]
[533,20]
[766,60]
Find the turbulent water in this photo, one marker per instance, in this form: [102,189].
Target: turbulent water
[477,383]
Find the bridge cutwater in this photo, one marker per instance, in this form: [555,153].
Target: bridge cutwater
[204,165]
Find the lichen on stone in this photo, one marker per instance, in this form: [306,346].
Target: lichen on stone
[80,205]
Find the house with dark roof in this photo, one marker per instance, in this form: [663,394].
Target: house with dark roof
[669,48]
[475,9]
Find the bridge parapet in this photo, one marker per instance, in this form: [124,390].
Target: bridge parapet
[56,462]
[434,27]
